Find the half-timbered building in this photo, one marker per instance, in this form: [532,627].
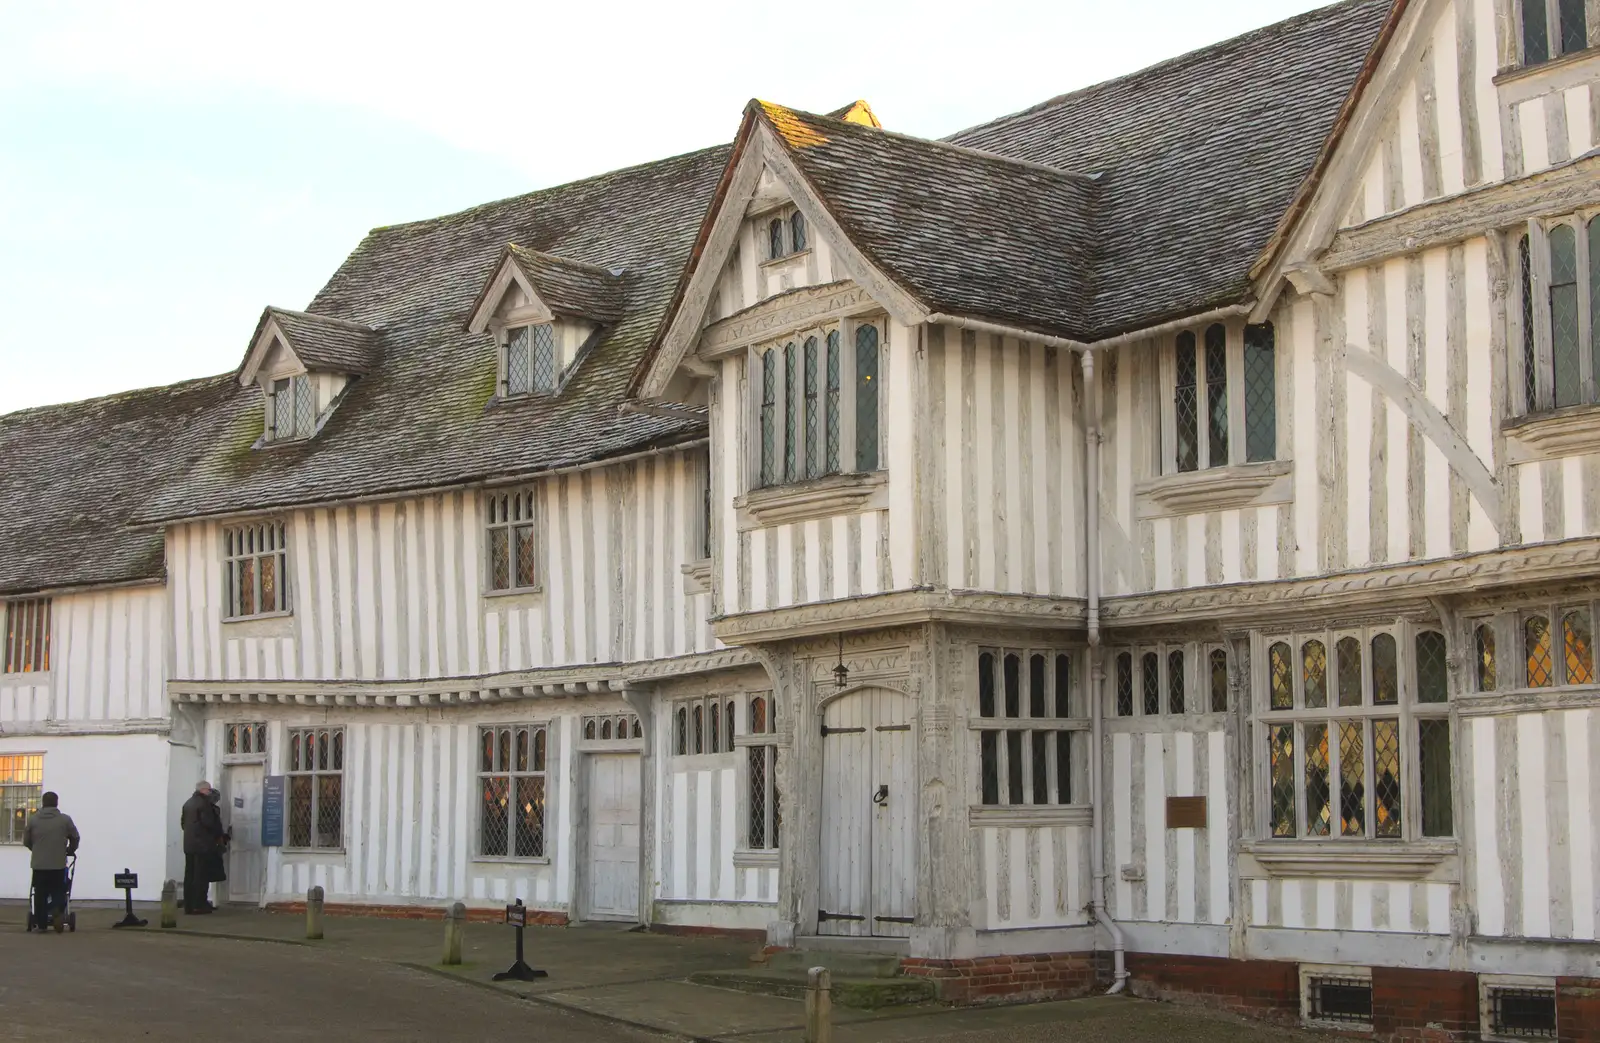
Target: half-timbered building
[1155,534]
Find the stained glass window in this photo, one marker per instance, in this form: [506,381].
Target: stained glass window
[1433,671]
[1216,395]
[1319,815]
[1566,380]
[1186,404]
[1352,779]
[1578,645]
[1282,676]
[1280,752]
[1386,772]
[1483,637]
[1314,673]
[1594,300]
[1260,394]
[1536,645]
[866,398]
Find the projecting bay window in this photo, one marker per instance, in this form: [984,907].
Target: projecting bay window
[255,571]
[1030,729]
[1354,735]
[817,409]
[511,542]
[511,791]
[1169,680]
[1552,28]
[27,636]
[1558,361]
[1550,646]
[316,788]
[291,408]
[1221,400]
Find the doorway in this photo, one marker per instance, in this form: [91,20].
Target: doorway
[613,836]
[869,795]
[241,802]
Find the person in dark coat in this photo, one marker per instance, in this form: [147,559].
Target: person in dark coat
[52,838]
[201,823]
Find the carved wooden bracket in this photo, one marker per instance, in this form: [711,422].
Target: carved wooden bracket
[1568,432]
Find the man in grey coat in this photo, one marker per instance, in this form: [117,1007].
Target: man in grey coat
[53,838]
[201,823]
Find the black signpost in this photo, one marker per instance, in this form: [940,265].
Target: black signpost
[517,916]
[127,880]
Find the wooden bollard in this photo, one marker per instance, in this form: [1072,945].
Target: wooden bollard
[169,904]
[455,926]
[314,913]
[819,1006]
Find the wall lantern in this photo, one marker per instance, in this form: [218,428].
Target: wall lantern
[841,673]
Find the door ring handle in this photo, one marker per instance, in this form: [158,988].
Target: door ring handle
[881,797]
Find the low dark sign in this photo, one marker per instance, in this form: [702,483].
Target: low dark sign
[272,811]
[126,880]
[517,915]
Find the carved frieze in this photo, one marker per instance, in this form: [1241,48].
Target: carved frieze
[776,315]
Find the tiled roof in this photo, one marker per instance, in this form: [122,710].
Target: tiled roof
[322,342]
[427,416]
[570,287]
[964,231]
[1200,156]
[74,474]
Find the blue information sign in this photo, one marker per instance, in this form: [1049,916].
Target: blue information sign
[272,811]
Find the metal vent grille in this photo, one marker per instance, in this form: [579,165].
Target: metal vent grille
[1344,1000]
[1522,1013]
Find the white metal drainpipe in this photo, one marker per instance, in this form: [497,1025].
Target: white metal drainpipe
[1091,408]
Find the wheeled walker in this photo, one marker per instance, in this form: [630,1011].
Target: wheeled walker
[66,901]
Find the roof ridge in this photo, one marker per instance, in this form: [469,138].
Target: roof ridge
[950,146]
[603,175]
[187,383]
[598,269]
[320,317]
[1165,64]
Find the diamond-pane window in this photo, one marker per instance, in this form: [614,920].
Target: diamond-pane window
[1348,655]
[511,558]
[775,238]
[1483,638]
[769,428]
[1175,682]
[797,232]
[1151,668]
[1536,646]
[1385,671]
[1578,642]
[1433,674]
[1574,30]
[1433,754]
[545,365]
[1535,33]
[1352,779]
[1260,394]
[305,406]
[1186,404]
[832,410]
[511,791]
[519,361]
[1219,681]
[1386,769]
[1314,673]
[1280,750]
[316,788]
[1530,361]
[1566,379]
[1125,685]
[1594,300]
[1217,395]
[866,398]
[1282,676]
[1319,814]
[813,411]
[791,386]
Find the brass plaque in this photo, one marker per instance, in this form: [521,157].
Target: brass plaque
[1186,813]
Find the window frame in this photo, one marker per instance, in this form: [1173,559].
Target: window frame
[1407,711]
[1074,728]
[337,740]
[1553,34]
[1235,397]
[22,653]
[1529,302]
[765,745]
[778,238]
[503,340]
[302,394]
[512,509]
[244,742]
[711,739]
[15,795]
[1198,686]
[273,534]
[1508,629]
[536,729]
[772,422]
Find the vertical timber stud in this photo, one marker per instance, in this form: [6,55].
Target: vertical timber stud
[799,765]
[314,913]
[819,1006]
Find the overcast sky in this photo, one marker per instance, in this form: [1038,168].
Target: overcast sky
[169,168]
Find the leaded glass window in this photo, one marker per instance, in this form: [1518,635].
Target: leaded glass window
[27,636]
[1025,749]
[832,411]
[1433,671]
[1551,28]
[1260,394]
[1433,757]
[769,422]
[866,398]
[255,570]
[511,540]
[1555,646]
[1561,367]
[1314,673]
[1535,33]
[1217,395]
[1483,640]
[1150,667]
[1187,406]
[292,409]
[1565,369]
[1319,813]
[1352,779]
[316,788]
[1574,27]
[813,411]
[511,791]
[1125,684]
[1536,647]
[1385,670]
[1280,747]
[1578,646]
[790,413]
[545,364]
[1282,676]
[775,238]
[1530,357]
[1219,680]
[1175,682]
[797,232]
[1348,654]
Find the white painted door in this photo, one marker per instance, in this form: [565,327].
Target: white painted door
[869,793]
[613,836]
[241,802]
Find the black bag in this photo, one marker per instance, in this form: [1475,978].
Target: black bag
[214,867]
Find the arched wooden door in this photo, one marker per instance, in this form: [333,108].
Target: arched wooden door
[869,795]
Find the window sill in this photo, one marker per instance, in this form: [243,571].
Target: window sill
[1364,860]
[274,624]
[314,852]
[697,576]
[1522,73]
[1000,815]
[816,498]
[1215,489]
[21,677]
[786,258]
[1569,431]
[767,859]
[521,597]
[492,860]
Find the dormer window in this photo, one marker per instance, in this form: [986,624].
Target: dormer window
[530,359]
[291,408]
[786,235]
